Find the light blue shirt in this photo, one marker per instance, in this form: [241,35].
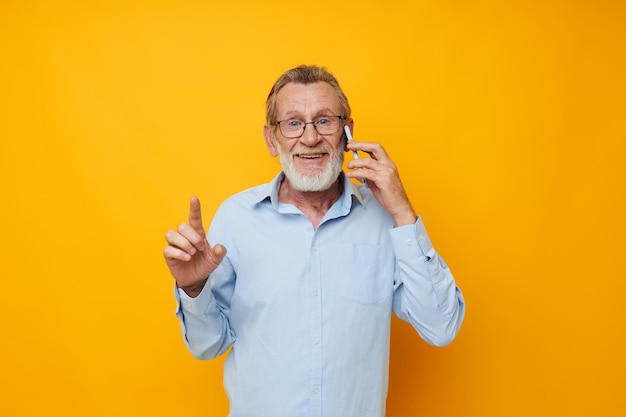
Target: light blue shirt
[308,312]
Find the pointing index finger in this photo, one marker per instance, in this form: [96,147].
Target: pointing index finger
[195,215]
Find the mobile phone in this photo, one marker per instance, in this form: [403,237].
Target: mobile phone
[346,129]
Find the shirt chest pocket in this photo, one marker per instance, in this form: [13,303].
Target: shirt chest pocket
[366,272]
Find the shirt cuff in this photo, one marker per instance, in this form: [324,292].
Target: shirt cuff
[195,305]
[411,238]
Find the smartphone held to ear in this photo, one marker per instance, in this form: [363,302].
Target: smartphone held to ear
[354,153]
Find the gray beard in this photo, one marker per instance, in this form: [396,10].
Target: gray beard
[319,181]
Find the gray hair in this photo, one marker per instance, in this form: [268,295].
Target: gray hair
[303,74]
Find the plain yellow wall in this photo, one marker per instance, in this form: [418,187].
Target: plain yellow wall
[506,119]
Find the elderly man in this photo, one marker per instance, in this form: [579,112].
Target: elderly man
[300,276]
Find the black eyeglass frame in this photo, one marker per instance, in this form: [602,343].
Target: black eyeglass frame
[278,122]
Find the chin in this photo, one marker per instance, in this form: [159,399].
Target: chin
[320,181]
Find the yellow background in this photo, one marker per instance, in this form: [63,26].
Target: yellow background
[506,119]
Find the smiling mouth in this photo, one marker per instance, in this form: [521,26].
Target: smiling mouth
[310,156]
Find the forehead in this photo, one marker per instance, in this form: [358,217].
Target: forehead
[307,99]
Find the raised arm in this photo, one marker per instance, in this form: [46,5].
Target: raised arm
[425,293]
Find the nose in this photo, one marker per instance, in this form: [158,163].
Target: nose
[310,137]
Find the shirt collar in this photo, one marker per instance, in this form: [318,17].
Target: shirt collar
[270,190]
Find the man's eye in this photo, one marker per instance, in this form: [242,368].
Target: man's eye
[322,121]
[294,123]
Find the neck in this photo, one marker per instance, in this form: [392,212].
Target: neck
[313,204]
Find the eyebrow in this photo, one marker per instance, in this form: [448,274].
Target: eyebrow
[322,112]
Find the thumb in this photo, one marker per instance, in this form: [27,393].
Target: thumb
[217,253]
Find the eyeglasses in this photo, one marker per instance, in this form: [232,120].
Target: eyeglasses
[324,125]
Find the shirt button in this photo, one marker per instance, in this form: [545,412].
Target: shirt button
[316,340]
[316,293]
[316,391]
[409,242]
[314,248]
[420,237]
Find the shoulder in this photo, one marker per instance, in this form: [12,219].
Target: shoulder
[245,201]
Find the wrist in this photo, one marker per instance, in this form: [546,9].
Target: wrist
[194,290]
[404,221]
[404,218]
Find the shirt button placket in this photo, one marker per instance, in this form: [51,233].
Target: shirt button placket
[315,310]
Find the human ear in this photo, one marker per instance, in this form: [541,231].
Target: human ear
[269,140]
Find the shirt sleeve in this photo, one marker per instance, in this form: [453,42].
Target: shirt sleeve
[425,293]
[204,326]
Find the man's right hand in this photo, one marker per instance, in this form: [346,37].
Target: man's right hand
[188,255]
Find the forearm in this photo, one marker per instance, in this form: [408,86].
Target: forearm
[426,294]
[204,326]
